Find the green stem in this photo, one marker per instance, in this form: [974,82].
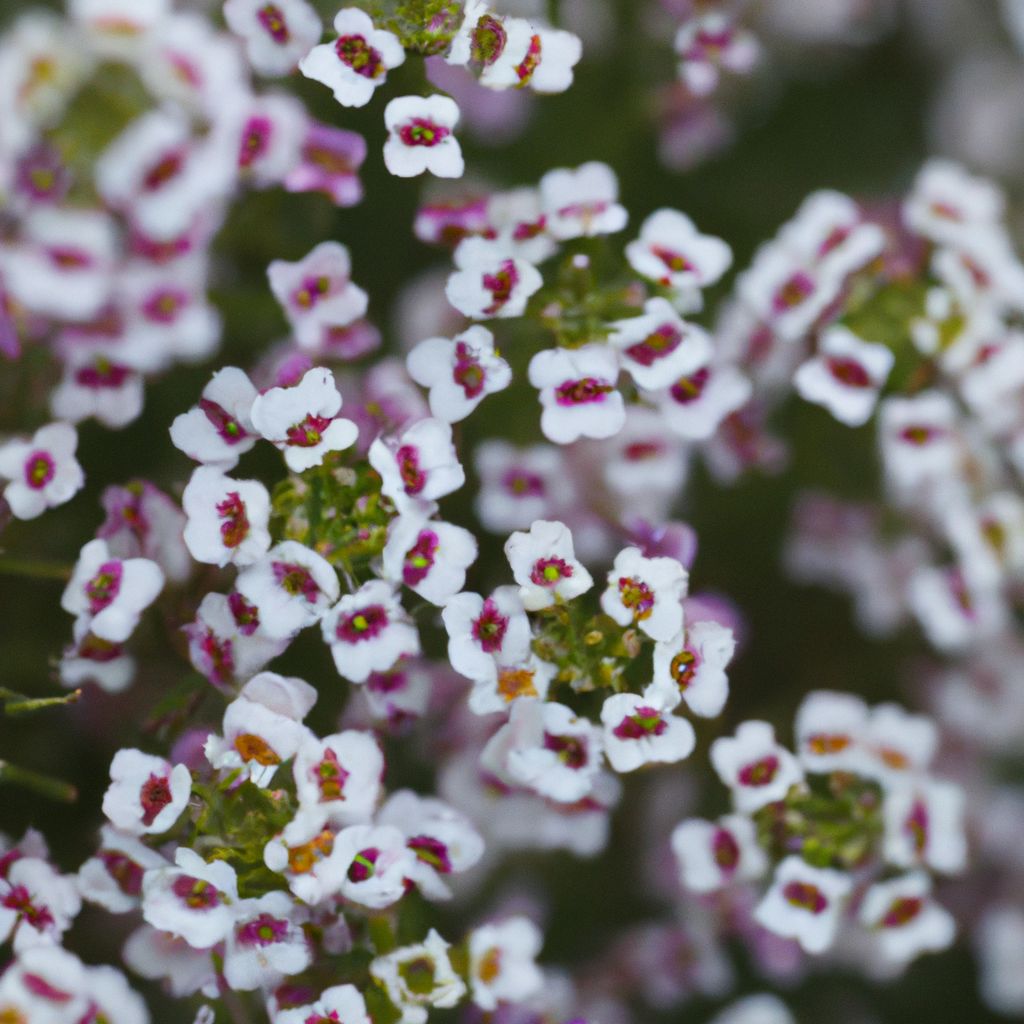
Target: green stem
[44,785]
[33,569]
[19,704]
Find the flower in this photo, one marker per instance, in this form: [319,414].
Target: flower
[646,593]
[291,586]
[265,943]
[357,62]
[531,55]
[316,293]
[520,485]
[368,631]
[342,1003]
[329,162]
[96,386]
[339,776]
[459,372]
[707,42]
[110,593]
[276,32]
[924,825]
[502,967]
[804,903]
[658,347]
[486,633]
[369,865]
[577,393]
[545,566]
[695,405]
[529,677]
[582,202]
[691,667]
[845,376]
[146,794]
[906,920]
[419,976]
[112,877]
[638,730]
[946,202]
[715,854]
[490,281]
[757,769]
[43,472]
[429,556]
[193,899]
[219,429]
[419,465]
[227,519]
[831,730]
[421,137]
[672,252]
[37,905]
[303,421]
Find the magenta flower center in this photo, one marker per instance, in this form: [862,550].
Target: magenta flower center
[848,372]
[154,796]
[689,389]
[725,850]
[805,896]
[420,131]
[164,305]
[311,291]
[356,53]
[330,777]
[413,478]
[255,140]
[570,750]
[364,624]
[39,470]
[488,40]
[490,627]
[310,432]
[229,429]
[644,722]
[271,18]
[123,870]
[501,284]
[547,572]
[530,63]
[247,616]
[659,343]
[104,586]
[793,292]
[585,391]
[364,865]
[637,596]
[419,559]
[468,373]
[101,373]
[431,851]
[296,580]
[197,894]
[902,911]
[235,527]
[19,899]
[264,930]
[761,772]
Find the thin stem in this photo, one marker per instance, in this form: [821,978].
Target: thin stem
[34,569]
[19,704]
[44,785]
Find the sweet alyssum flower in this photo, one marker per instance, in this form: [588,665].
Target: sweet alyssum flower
[418,466]
[112,878]
[714,854]
[502,962]
[303,420]
[490,281]
[831,729]
[694,405]
[531,55]
[754,766]
[578,393]
[329,161]
[672,252]
[43,472]
[266,943]
[343,1003]
[706,43]
[486,633]
[805,903]
[582,202]
[545,566]
[691,668]
[277,33]
[639,730]
[924,825]
[339,776]
[192,899]
[291,586]
[905,918]
[646,593]
[110,593]
[91,660]
[520,485]
[368,631]
[300,853]
[369,865]
[219,429]
[460,372]
[37,904]
[421,137]
[419,976]
[227,519]
[317,293]
[529,677]
[845,376]
[355,64]
[146,793]
[429,556]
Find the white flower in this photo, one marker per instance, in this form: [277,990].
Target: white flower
[219,429]
[265,943]
[442,841]
[276,32]
[369,865]
[194,900]
[646,593]
[111,593]
[924,826]
[520,485]
[707,42]
[484,634]
[695,405]
[671,251]
[754,766]
[532,55]
[530,677]
[459,372]
[146,794]
[658,347]
[227,519]
[421,137]
[368,631]
[300,853]
[919,439]
[43,472]
[419,976]
[545,566]
[489,281]
[577,393]
[502,962]
[714,854]
[342,1003]
[831,730]
[429,556]
[317,293]
[271,132]
[355,64]
[845,376]
[99,387]
[582,202]
[303,420]
[946,202]
[691,667]
[340,776]
[291,586]
[829,230]
[112,877]
[638,731]
[906,920]
[419,465]
[37,905]
[899,744]
[90,659]
[546,748]
[804,903]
